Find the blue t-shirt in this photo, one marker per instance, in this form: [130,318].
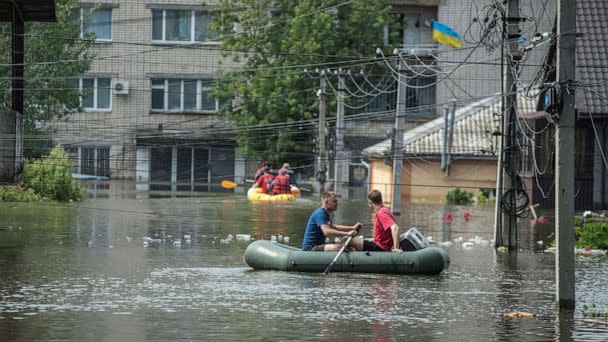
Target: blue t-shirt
[313,235]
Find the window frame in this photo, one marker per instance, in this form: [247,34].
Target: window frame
[192,39]
[200,87]
[101,40]
[95,94]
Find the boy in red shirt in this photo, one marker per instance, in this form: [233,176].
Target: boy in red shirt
[386,230]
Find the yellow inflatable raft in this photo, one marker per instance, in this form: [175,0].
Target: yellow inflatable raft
[255,194]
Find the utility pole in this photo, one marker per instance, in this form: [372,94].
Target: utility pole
[339,151]
[448,134]
[564,157]
[322,154]
[505,225]
[397,151]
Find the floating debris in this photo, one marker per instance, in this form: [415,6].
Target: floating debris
[468,245]
[446,243]
[518,314]
[243,237]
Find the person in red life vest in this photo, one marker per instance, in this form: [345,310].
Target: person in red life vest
[290,174]
[264,180]
[260,171]
[386,229]
[280,184]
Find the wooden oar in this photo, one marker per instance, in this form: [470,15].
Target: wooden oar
[226,184]
[328,269]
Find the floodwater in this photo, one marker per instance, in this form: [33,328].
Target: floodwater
[132,266]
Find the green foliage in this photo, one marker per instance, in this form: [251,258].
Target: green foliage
[457,196]
[54,54]
[270,38]
[592,235]
[50,177]
[595,312]
[17,193]
[483,200]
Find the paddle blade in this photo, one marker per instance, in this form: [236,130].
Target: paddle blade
[226,184]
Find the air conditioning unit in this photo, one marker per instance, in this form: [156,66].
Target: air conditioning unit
[120,87]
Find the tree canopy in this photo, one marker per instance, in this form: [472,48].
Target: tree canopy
[54,56]
[276,40]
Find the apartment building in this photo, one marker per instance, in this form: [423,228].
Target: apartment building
[148,114]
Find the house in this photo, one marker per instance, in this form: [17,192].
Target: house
[468,74]
[591,131]
[473,153]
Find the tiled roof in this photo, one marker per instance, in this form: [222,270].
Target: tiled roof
[592,54]
[473,128]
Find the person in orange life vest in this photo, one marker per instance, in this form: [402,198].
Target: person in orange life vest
[260,171]
[280,184]
[264,180]
[386,230]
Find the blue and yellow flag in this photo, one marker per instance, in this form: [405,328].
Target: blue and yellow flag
[446,35]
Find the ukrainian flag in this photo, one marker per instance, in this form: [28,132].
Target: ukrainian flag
[445,35]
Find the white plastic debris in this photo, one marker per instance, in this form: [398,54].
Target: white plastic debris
[286,239]
[187,236]
[468,245]
[273,238]
[177,243]
[243,237]
[280,238]
[446,243]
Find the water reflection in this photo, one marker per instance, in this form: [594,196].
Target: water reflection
[82,271]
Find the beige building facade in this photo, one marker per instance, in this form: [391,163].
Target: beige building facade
[148,114]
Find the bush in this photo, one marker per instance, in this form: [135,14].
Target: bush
[592,235]
[457,196]
[482,199]
[50,177]
[17,193]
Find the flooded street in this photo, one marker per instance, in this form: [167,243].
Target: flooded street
[162,267]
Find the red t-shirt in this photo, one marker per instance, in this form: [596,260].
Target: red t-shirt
[382,228]
[264,180]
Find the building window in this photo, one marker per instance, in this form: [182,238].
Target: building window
[411,30]
[181,26]
[95,93]
[99,23]
[178,95]
[90,160]
[420,95]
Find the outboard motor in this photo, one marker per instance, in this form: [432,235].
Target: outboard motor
[412,240]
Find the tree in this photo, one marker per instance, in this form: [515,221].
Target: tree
[277,39]
[54,56]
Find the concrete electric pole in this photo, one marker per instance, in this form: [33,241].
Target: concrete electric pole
[322,153]
[399,124]
[564,156]
[340,156]
[505,225]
